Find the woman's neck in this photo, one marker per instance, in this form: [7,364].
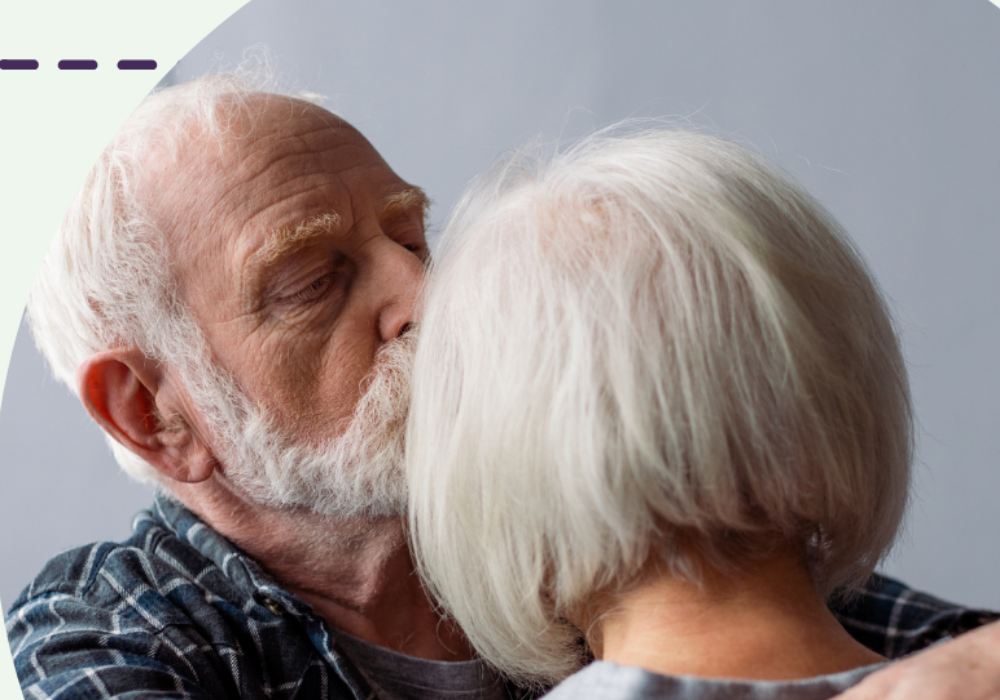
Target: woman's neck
[769,622]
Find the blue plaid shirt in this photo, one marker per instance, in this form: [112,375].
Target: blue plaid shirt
[178,611]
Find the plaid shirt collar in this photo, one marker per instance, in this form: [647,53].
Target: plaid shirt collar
[256,584]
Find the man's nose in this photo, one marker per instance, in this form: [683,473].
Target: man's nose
[403,275]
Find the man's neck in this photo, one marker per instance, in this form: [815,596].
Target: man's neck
[356,573]
[767,623]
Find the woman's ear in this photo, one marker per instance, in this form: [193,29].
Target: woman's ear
[123,391]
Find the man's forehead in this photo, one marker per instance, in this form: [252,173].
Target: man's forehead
[297,163]
[242,149]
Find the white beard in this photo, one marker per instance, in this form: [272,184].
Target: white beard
[359,474]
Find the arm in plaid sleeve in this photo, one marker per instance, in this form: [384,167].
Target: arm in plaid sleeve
[160,617]
[61,647]
[893,620]
[92,626]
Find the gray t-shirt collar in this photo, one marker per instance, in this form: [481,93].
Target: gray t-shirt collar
[396,676]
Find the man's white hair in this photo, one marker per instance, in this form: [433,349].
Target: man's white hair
[107,282]
[652,347]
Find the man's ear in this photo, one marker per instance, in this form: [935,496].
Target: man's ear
[128,396]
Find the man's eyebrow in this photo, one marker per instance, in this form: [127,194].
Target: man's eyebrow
[289,240]
[401,203]
[280,245]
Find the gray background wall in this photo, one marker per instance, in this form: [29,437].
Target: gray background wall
[887,111]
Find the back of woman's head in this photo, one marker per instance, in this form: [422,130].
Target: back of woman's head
[650,346]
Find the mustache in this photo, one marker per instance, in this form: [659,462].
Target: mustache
[379,419]
[393,362]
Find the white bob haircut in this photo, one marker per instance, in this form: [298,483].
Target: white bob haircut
[106,280]
[652,349]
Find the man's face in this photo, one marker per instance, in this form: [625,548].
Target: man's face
[300,253]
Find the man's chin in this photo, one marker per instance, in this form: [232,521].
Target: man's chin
[326,484]
[359,474]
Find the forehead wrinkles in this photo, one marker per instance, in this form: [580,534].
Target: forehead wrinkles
[287,164]
[277,188]
[335,147]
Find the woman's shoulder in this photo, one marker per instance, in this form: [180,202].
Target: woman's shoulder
[609,681]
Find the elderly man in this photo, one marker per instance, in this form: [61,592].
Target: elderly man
[231,296]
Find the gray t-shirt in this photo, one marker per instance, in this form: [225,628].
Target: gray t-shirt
[603,680]
[396,676]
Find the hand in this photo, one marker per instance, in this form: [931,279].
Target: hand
[965,668]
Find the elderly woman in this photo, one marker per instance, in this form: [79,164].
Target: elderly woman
[660,416]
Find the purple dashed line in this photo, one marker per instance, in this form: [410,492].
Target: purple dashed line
[18,64]
[136,65]
[78,65]
[74,64]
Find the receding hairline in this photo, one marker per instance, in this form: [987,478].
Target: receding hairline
[235,118]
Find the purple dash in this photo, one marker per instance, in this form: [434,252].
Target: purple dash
[78,65]
[18,64]
[136,65]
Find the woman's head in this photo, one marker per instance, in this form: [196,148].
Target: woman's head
[649,346]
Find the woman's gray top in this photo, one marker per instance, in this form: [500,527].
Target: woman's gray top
[603,680]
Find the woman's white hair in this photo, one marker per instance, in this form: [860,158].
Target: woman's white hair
[106,280]
[650,347]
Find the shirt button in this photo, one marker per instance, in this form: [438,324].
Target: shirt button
[273,605]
